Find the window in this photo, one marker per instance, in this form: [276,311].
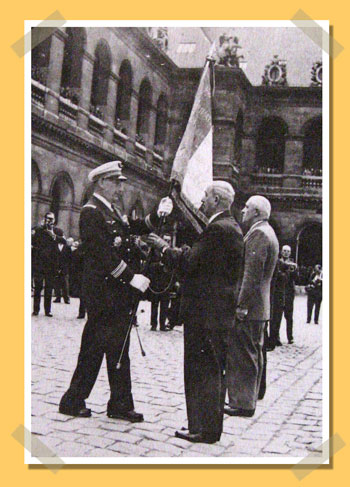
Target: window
[162,120]
[100,77]
[72,63]
[186,48]
[271,145]
[145,103]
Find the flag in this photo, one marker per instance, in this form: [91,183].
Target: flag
[193,163]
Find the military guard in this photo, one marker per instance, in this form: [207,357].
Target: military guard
[110,278]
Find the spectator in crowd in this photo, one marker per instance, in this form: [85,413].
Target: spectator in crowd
[284,299]
[63,271]
[278,290]
[245,361]
[211,269]
[161,277]
[174,307]
[314,294]
[45,240]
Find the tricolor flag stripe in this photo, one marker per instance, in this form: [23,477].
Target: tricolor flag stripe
[193,163]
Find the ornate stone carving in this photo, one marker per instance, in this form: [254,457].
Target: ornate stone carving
[227,51]
[275,73]
[160,36]
[316,74]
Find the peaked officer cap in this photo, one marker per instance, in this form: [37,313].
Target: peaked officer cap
[107,170]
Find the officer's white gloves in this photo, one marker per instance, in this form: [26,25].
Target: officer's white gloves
[140,282]
[165,207]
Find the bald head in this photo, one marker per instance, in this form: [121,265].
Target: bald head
[224,190]
[261,204]
[256,208]
[219,196]
[286,251]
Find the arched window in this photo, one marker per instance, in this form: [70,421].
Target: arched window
[41,54]
[309,245]
[124,92]
[62,194]
[145,103]
[100,76]
[238,137]
[312,148]
[72,63]
[161,121]
[270,147]
[36,179]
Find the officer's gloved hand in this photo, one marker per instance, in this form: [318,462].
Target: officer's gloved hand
[165,207]
[140,282]
[153,240]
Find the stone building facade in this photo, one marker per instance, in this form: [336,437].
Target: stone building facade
[100,94]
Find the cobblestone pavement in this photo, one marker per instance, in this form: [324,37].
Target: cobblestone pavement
[288,422]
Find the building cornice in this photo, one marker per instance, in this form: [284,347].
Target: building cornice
[93,154]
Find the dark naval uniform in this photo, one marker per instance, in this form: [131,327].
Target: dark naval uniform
[109,265]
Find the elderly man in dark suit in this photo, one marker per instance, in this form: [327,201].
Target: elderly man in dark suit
[245,357]
[212,270]
[111,273]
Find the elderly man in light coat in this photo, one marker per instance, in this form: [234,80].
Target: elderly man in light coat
[245,357]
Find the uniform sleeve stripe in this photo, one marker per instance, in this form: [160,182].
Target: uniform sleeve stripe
[148,222]
[119,269]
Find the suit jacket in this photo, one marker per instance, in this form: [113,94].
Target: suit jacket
[110,258]
[64,259]
[45,249]
[260,256]
[212,272]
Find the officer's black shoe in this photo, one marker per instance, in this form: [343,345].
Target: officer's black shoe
[164,329]
[35,313]
[153,328]
[279,343]
[77,413]
[67,301]
[49,315]
[291,341]
[57,300]
[245,413]
[196,437]
[80,317]
[131,416]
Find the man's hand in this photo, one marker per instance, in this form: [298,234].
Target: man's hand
[50,231]
[165,207]
[140,282]
[241,314]
[156,242]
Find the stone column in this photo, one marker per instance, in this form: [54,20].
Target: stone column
[223,139]
[248,155]
[293,162]
[151,127]
[55,71]
[132,122]
[85,91]
[111,106]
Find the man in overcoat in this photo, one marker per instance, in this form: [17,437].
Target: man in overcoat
[211,273]
[110,275]
[245,356]
[45,240]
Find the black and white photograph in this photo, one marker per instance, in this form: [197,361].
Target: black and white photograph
[177,290]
